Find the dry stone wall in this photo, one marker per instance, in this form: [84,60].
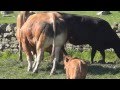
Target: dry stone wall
[9,42]
[8,39]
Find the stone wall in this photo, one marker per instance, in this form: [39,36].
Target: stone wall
[8,39]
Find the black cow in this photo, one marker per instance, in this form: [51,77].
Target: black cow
[93,31]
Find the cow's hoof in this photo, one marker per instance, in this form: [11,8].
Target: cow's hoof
[29,69]
[52,73]
[20,59]
[35,71]
[93,62]
[101,62]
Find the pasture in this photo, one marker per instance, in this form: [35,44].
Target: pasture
[11,68]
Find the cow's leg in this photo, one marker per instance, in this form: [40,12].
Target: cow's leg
[29,59]
[28,54]
[103,56]
[93,54]
[64,51]
[56,58]
[67,73]
[81,48]
[35,57]
[40,55]
[20,52]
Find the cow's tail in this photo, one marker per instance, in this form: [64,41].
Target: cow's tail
[20,48]
[54,35]
[19,25]
[53,19]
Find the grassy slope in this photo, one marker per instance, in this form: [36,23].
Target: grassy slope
[114,17]
[11,68]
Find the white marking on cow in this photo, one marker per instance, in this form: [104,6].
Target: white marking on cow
[56,58]
[40,55]
[29,59]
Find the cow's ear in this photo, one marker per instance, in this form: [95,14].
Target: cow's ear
[67,58]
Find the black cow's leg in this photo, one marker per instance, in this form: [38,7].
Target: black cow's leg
[64,51]
[102,52]
[93,54]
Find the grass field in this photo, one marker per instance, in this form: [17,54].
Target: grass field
[11,68]
[114,17]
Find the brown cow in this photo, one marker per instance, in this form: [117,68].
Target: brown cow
[39,32]
[75,68]
[21,19]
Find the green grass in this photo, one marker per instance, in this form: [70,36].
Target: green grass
[11,68]
[114,17]
[10,19]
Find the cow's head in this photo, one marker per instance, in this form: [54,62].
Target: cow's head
[66,60]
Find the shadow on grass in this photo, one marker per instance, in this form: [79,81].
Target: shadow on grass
[48,67]
[95,69]
[100,69]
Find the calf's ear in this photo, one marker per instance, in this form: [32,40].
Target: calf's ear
[66,59]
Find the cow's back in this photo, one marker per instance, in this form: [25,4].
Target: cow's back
[41,23]
[21,19]
[32,28]
[90,30]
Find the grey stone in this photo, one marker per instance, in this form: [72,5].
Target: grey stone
[3,27]
[119,26]
[115,26]
[15,50]
[13,39]
[118,35]
[1,46]
[5,40]
[103,13]
[1,36]
[10,27]
[7,35]
[7,45]
[13,46]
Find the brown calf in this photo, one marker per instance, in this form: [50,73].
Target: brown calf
[38,33]
[75,68]
[21,19]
